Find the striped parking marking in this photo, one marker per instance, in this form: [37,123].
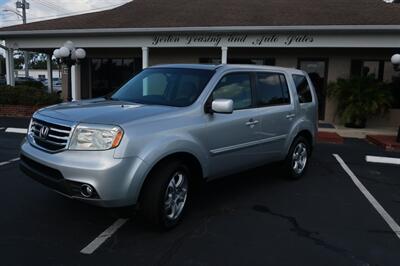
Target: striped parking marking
[98,241]
[386,160]
[378,207]
[17,130]
[9,161]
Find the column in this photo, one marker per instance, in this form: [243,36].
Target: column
[145,57]
[10,67]
[50,72]
[76,82]
[7,54]
[26,63]
[224,56]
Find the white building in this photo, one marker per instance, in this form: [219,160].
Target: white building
[328,39]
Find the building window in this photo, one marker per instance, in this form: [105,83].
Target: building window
[242,61]
[368,67]
[382,71]
[109,74]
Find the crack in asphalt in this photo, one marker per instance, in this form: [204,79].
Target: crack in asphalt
[194,232]
[381,231]
[302,232]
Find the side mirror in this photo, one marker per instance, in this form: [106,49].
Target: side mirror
[223,106]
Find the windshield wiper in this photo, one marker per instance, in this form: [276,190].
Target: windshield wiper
[109,98]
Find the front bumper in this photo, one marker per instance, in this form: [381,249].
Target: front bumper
[116,182]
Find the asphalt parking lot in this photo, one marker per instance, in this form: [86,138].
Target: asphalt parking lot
[253,218]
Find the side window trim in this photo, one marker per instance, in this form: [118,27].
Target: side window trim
[252,88]
[281,75]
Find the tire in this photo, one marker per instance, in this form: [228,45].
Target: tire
[296,162]
[169,182]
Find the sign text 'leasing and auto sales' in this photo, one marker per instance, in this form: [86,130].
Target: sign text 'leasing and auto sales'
[217,40]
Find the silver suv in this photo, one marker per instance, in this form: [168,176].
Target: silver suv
[148,143]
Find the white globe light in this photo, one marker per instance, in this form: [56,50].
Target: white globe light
[56,53]
[64,52]
[73,54]
[80,53]
[396,59]
[70,45]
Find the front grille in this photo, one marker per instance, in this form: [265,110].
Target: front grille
[57,136]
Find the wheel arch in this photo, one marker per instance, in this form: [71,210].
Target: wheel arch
[305,129]
[186,157]
[308,136]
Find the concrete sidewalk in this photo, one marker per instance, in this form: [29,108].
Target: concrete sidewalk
[360,133]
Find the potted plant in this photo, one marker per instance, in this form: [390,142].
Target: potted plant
[359,98]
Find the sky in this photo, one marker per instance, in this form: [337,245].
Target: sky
[48,9]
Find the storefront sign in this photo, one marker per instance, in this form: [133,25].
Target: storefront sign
[233,40]
[278,40]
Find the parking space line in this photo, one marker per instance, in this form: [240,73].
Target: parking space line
[95,244]
[9,161]
[378,207]
[16,130]
[377,159]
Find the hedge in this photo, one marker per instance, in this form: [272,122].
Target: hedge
[28,96]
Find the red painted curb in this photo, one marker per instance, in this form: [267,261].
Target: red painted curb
[389,143]
[329,137]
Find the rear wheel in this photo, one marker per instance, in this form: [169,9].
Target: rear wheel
[165,196]
[296,161]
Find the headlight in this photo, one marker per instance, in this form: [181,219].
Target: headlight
[96,137]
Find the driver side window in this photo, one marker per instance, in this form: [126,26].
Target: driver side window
[237,87]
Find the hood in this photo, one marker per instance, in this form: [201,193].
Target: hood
[101,111]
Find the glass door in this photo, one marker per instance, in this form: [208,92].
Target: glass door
[317,69]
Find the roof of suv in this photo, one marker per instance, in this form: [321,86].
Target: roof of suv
[232,66]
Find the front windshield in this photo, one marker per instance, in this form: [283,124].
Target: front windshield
[165,86]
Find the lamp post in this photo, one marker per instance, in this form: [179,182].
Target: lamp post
[396,65]
[69,55]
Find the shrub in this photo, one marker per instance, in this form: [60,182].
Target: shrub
[359,98]
[31,84]
[24,95]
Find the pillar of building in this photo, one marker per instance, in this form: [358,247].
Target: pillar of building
[145,57]
[224,55]
[10,75]
[76,82]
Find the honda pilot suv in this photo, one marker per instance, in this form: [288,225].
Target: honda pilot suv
[150,142]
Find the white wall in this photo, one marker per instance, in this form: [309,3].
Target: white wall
[36,72]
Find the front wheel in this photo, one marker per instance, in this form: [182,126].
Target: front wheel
[296,161]
[165,196]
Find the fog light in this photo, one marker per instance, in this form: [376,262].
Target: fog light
[87,191]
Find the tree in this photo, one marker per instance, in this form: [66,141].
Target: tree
[36,61]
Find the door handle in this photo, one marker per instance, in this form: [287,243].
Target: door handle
[252,123]
[290,116]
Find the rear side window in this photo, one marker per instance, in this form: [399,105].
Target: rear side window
[236,87]
[272,89]
[303,88]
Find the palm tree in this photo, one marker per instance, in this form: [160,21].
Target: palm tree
[359,98]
